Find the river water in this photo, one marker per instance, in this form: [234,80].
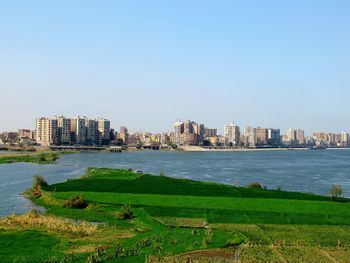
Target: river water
[306,171]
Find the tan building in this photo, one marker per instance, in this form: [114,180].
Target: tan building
[26,134]
[210,132]
[46,131]
[188,133]
[123,134]
[344,139]
[261,135]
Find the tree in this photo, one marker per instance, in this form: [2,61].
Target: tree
[336,191]
[38,182]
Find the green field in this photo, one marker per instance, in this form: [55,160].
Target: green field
[175,220]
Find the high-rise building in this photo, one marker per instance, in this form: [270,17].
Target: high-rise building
[123,134]
[46,131]
[249,137]
[344,139]
[331,138]
[262,136]
[188,133]
[104,127]
[91,131]
[64,130]
[231,135]
[199,131]
[179,129]
[210,132]
[78,130]
[274,137]
[300,137]
[292,135]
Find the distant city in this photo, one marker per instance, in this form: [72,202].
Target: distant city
[83,131]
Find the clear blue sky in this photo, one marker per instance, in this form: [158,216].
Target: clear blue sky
[144,64]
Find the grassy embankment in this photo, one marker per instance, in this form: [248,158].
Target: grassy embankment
[30,157]
[172,217]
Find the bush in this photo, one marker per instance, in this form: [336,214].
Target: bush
[48,157]
[208,236]
[255,185]
[336,191]
[76,202]
[126,213]
[236,240]
[38,182]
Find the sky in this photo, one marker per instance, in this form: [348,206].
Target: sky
[145,64]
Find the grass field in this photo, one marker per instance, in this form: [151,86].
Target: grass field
[176,220]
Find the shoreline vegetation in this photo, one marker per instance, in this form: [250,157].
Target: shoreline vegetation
[113,215]
[45,157]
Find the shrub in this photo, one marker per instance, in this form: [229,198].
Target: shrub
[255,185]
[38,182]
[48,157]
[336,191]
[126,213]
[236,240]
[208,236]
[76,202]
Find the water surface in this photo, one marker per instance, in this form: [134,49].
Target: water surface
[306,171]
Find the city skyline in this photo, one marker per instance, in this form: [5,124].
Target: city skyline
[62,131]
[220,129]
[267,64]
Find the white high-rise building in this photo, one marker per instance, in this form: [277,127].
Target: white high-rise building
[344,139]
[179,129]
[104,128]
[231,135]
[78,130]
[249,136]
[46,131]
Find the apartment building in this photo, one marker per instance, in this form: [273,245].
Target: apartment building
[64,130]
[262,136]
[46,131]
[231,135]
[104,127]
[78,130]
[188,133]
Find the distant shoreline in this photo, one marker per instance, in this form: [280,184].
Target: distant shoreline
[201,149]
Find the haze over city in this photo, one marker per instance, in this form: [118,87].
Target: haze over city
[143,65]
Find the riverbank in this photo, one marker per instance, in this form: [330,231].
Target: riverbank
[132,217]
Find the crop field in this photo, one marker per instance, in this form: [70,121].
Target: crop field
[124,216]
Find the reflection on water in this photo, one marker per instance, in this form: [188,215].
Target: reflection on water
[307,171]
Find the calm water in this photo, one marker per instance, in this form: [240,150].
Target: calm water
[307,171]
